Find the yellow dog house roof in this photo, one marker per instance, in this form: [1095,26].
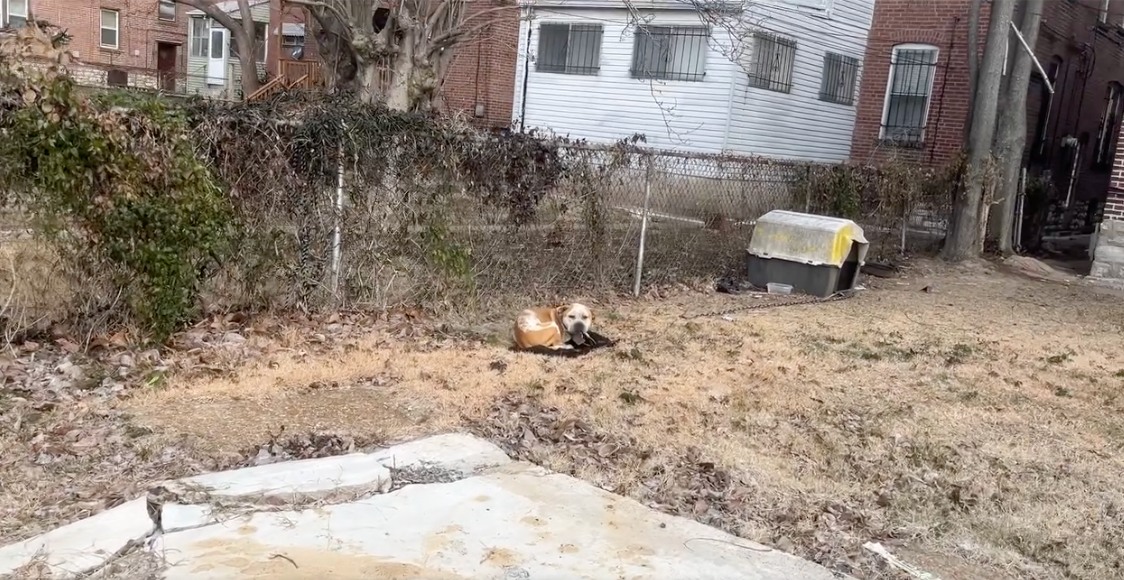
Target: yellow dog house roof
[807,239]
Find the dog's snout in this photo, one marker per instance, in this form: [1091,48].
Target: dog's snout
[579,328]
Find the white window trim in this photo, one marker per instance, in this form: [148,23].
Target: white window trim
[8,14]
[1105,133]
[890,83]
[102,27]
[193,41]
[175,8]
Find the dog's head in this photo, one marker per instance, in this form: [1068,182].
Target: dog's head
[576,320]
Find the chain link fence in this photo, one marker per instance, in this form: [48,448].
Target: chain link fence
[620,218]
[341,205]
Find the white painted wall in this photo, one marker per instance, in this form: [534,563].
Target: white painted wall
[719,114]
[687,115]
[798,125]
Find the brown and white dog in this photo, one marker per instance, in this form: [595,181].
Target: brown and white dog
[553,327]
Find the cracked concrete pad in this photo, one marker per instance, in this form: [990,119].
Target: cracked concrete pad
[292,480]
[493,518]
[82,545]
[516,521]
[458,452]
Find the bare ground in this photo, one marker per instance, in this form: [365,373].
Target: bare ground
[975,428]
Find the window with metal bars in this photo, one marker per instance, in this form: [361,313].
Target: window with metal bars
[573,49]
[670,53]
[773,60]
[840,73]
[908,93]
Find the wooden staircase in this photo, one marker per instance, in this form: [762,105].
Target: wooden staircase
[295,75]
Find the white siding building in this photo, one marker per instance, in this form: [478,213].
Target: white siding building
[213,69]
[777,78]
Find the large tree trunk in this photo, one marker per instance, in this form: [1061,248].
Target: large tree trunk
[1011,140]
[973,62]
[964,240]
[250,82]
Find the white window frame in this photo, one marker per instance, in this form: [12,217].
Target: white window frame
[9,13]
[116,29]
[1112,110]
[160,4]
[202,42]
[890,84]
[593,30]
[1102,15]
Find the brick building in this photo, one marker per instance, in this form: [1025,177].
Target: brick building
[136,39]
[481,78]
[921,115]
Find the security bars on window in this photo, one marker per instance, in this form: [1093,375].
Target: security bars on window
[773,59]
[672,53]
[573,49]
[839,76]
[907,101]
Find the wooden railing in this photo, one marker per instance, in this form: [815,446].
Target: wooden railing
[268,89]
[301,74]
[295,74]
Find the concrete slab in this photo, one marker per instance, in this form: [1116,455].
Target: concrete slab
[292,480]
[81,545]
[495,519]
[515,522]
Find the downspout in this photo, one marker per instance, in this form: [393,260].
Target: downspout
[526,71]
[729,111]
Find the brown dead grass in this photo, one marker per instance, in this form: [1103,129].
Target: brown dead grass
[31,287]
[977,427]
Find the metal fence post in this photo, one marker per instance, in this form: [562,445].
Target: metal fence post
[905,225]
[337,217]
[808,189]
[643,226]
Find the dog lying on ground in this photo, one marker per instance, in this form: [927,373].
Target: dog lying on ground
[553,328]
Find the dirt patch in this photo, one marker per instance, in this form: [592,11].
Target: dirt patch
[976,426]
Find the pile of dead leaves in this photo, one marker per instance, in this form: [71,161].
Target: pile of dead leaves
[312,445]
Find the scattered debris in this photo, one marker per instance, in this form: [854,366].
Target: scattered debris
[1036,268]
[914,572]
[880,270]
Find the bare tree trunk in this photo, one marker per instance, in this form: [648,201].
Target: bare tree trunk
[402,73]
[964,240]
[973,62]
[1011,140]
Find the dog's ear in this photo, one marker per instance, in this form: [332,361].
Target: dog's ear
[560,311]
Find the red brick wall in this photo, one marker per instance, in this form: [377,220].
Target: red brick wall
[297,15]
[1069,30]
[942,24]
[139,30]
[482,70]
[1114,205]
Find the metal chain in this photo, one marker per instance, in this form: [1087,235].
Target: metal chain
[795,301]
